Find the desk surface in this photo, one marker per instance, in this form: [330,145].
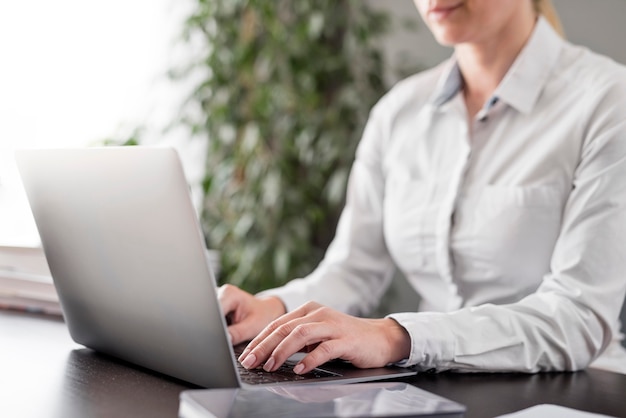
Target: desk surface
[44,374]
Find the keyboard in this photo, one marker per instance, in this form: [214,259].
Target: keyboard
[283,374]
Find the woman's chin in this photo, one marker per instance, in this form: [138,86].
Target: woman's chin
[447,37]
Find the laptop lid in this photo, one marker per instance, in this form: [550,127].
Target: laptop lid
[128,260]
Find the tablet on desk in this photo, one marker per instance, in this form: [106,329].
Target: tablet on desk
[386,399]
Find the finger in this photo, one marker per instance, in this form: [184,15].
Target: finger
[268,330]
[300,312]
[228,300]
[305,334]
[251,360]
[240,332]
[287,339]
[324,352]
[259,349]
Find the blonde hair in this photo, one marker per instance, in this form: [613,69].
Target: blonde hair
[546,8]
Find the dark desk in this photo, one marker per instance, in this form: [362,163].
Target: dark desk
[44,374]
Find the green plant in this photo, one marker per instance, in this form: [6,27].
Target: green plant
[283,91]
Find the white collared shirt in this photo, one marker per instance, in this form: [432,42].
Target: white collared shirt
[512,228]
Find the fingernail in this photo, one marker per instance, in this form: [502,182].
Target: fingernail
[248,361]
[298,369]
[269,364]
[243,354]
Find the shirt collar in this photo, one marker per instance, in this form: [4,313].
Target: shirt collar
[523,83]
[449,84]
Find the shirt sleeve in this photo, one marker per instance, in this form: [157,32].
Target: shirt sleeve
[568,321]
[357,267]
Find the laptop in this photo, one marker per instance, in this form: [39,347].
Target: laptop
[128,260]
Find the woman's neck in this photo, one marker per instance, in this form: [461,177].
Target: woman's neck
[484,64]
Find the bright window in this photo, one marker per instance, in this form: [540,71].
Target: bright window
[74,73]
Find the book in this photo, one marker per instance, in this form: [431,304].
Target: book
[25,281]
[29,260]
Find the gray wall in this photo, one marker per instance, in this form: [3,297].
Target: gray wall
[598,24]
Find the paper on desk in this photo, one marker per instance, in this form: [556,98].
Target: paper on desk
[552,411]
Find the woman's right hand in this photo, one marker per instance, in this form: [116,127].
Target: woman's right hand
[247,314]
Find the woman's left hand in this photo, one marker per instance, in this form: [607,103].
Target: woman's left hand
[327,334]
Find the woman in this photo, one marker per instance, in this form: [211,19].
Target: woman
[495,183]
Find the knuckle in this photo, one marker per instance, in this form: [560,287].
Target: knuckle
[225,289]
[278,329]
[325,350]
[321,354]
[273,326]
[284,330]
[310,306]
[302,331]
[324,312]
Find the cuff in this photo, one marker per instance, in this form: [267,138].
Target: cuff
[432,342]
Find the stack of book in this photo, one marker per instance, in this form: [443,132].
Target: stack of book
[25,281]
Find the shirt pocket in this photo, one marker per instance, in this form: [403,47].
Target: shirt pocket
[507,234]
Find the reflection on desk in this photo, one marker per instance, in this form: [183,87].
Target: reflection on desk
[97,385]
[45,374]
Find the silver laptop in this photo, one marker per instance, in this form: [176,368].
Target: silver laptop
[128,260]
